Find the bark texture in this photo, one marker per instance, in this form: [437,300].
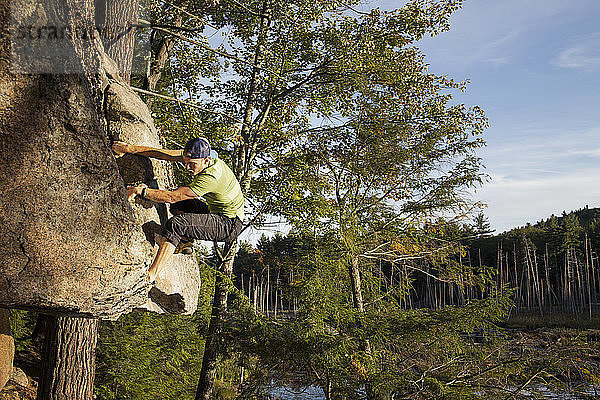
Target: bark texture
[355,280]
[68,359]
[158,59]
[114,20]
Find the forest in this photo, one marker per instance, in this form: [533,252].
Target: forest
[462,325]
[390,283]
[552,266]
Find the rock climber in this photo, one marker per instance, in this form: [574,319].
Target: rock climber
[218,218]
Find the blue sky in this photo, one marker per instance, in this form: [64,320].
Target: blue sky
[534,67]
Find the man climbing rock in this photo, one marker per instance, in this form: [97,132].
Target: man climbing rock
[218,218]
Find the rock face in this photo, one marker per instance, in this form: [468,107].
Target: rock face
[7,349]
[72,244]
[19,377]
[128,119]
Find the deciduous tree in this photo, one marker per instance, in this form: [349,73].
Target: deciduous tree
[329,116]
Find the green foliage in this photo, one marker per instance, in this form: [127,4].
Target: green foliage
[382,129]
[481,225]
[410,345]
[147,356]
[324,342]
[144,355]
[22,324]
[224,391]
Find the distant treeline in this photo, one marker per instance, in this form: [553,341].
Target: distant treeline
[551,266]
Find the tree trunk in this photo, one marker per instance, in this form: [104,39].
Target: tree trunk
[547,271]
[241,163]
[241,167]
[357,297]
[68,359]
[215,326]
[360,306]
[158,60]
[587,271]
[517,282]
[114,19]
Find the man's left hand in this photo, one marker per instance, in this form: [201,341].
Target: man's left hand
[120,148]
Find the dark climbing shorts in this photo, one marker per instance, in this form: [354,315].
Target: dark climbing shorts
[192,220]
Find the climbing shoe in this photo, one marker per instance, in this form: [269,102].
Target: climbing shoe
[185,247]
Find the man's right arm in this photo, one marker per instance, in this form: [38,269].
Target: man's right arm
[121,148]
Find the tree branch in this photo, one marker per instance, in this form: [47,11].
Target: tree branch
[191,15]
[162,96]
[146,24]
[520,388]
[301,83]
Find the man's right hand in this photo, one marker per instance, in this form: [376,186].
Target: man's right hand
[120,148]
[133,191]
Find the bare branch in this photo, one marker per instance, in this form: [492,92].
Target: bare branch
[191,15]
[146,24]
[162,96]
[355,10]
[167,26]
[459,379]
[520,388]
[301,83]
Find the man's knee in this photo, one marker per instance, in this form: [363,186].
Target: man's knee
[235,229]
[175,229]
[177,224]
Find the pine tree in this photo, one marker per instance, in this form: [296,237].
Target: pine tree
[481,226]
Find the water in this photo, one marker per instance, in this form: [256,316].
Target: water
[536,391]
[279,392]
[547,392]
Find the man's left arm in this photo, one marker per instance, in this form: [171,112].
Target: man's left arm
[161,196]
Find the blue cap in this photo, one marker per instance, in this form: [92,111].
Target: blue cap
[197,148]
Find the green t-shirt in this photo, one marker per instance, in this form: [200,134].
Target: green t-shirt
[220,189]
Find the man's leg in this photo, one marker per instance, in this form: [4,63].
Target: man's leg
[170,238]
[166,247]
[193,206]
[212,227]
[164,253]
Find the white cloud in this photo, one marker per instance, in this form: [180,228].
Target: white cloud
[513,202]
[497,61]
[541,174]
[583,55]
[495,51]
[594,153]
[543,148]
[490,31]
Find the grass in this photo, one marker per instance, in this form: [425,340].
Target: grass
[529,320]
